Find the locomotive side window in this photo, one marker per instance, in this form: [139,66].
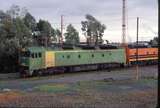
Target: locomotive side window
[68,56]
[92,55]
[32,55]
[79,56]
[40,55]
[36,55]
[102,55]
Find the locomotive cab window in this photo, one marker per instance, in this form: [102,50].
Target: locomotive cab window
[25,54]
[32,55]
[40,55]
[36,55]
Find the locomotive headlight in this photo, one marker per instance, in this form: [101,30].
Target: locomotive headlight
[23,49]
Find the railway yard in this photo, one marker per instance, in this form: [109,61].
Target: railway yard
[77,64]
[116,88]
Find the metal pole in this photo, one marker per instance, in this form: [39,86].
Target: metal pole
[137,72]
[123,22]
[158,99]
[61,40]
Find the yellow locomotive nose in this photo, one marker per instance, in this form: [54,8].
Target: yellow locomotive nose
[49,59]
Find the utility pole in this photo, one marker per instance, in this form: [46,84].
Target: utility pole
[61,38]
[158,99]
[137,71]
[46,41]
[123,22]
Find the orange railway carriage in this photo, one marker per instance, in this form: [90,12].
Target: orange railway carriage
[144,54]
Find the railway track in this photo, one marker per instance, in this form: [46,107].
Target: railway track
[115,74]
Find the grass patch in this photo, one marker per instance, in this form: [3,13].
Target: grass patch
[96,85]
[103,85]
[53,88]
[148,82]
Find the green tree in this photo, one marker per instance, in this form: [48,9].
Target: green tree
[30,22]
[71,35]
[53,35]
[44,27]
[23,33]
[14,34]
[58,34]
[14,11]
[93,30]
[3,16]
[154,41]
[46,31]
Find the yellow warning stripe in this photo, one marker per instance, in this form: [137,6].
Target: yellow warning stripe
[142,59]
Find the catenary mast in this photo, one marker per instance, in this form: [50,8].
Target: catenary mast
[123,22]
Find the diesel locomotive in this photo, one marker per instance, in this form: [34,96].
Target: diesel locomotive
[41,60]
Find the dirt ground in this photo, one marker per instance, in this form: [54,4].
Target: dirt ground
[108,100]
[92,94]
[117,89]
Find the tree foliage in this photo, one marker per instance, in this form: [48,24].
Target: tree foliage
[154,41]
[46,31]
[71,35]
[14,11]
[14,34]
[44,27]
[57,35]
[93,30]
[17,27]
[30,22]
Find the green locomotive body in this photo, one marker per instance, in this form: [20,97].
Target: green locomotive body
[41,60]
[84,57]
[31,59]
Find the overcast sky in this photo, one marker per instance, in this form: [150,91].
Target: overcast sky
[109,12]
